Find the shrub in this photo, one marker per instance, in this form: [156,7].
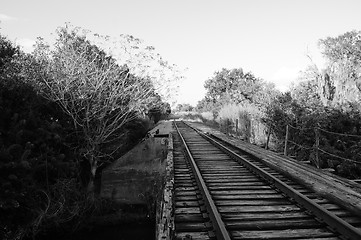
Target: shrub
[244,121]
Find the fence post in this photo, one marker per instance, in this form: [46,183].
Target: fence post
[227,126]
[268,137]
[236,126]
[286,140]
[317,144]
[221,125]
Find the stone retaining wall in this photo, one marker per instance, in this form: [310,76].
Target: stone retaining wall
[165,214]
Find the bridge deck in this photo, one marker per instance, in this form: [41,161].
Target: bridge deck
[225,188]
[250,209]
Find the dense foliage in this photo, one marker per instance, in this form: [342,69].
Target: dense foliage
[35,149]
[325,104]
[322,109]
[66,111]
[186,107]
[343,54]
[236,100]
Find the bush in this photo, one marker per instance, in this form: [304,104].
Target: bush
[208,116]
[244,121]
[39,162]
[42,171]
[35,154]
[304,120]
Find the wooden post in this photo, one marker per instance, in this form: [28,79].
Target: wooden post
[221,125]
[268,137]
[317,144]
[227,126]
[237,126]
[286,140]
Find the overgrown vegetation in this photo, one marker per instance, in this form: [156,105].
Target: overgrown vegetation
[237,101]
[324,104]
[66,111]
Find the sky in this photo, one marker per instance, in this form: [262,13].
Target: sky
[270,38]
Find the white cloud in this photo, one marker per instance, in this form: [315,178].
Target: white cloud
[4,17]
[284,76]
[26,44]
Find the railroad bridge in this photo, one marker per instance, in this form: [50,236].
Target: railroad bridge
[218,187]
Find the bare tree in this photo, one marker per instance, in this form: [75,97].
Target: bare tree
[143,61]
[98,94]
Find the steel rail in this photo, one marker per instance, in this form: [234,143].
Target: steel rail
[328,217]
[214,215]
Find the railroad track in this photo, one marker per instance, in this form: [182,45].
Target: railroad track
[224,193]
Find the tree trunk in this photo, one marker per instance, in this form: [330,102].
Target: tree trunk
[317,145]
[268,138]
[93,168]
[286,141]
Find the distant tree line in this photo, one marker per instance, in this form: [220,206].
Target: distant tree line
[184,107]
[67,110]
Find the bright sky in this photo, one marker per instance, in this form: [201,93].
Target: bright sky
[270,38]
